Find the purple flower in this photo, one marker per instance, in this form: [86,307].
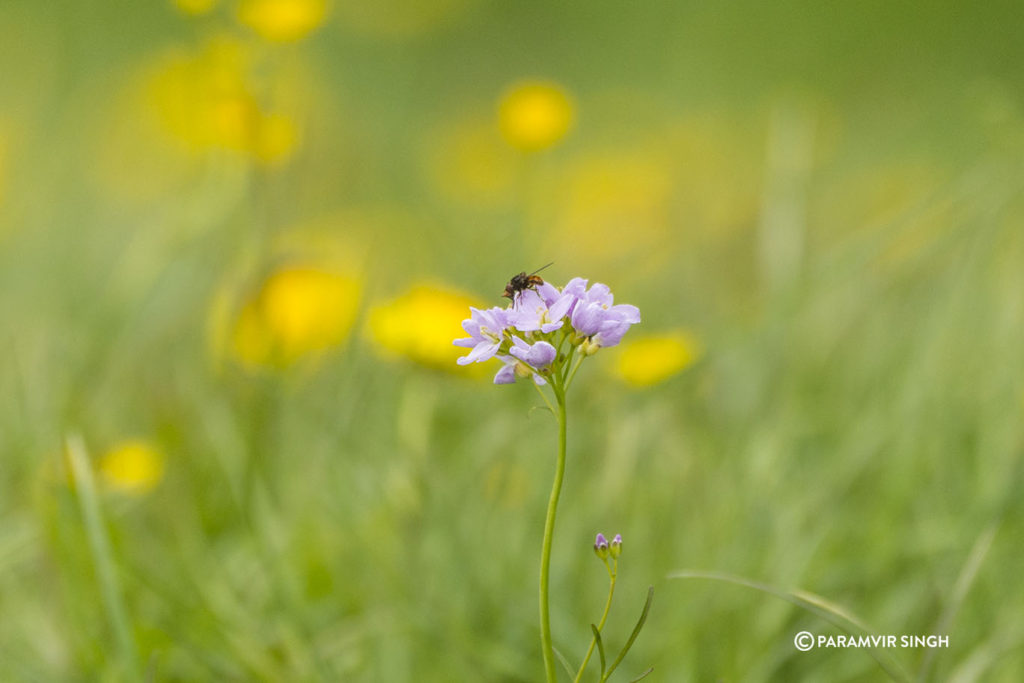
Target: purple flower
[595,315]
[577,287]
[594,318]
[485,329]
[538,355]
[543,310]
[507,374]
[514,368]
[616,546]
[548,292]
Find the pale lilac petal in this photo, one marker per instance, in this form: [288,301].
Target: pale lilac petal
[528,323]
[540,354]
[527,312]
[536,355]
[599,293]
[485,350]
[548,292]
[576,286]
[507,375]
[587,318]
[519,348]
[611,333]
[528,300]
[560,308]
[495,319]
[627,313]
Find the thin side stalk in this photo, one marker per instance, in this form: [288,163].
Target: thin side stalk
[600,625]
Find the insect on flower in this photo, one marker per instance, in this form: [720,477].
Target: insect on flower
[522,282]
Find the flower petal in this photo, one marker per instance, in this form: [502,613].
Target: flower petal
[548,292]
[541,354]
[627,313]
[485,350]
[507,375]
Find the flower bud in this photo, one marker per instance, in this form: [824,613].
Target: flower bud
[589,347]
[601,547]
[523,370]
[616,547]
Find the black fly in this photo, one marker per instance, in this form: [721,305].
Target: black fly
[522,282]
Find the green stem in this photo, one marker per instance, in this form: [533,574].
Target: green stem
[600,626]
[549,532]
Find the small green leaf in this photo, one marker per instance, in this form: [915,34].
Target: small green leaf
[633,635]
[642,676]
[564,661]
[600,647]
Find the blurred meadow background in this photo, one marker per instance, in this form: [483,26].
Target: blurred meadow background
[238,236]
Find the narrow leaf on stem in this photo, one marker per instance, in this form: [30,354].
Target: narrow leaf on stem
[642,676]
[633,635]
[600,647]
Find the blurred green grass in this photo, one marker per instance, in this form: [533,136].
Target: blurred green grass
[829,199]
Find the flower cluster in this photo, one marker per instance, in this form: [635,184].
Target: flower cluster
[603,549]
[544,327]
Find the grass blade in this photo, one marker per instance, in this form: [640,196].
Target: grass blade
[564,661]
[963,584]
[815,604]
[102,554]
[634,634]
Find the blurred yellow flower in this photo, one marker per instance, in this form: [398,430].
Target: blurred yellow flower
[534,115]
[644,361]
[469,163]
[607,194]
[282,20]
[209,101]
[195,6]
[421,325]
[276,136]
[300,311]
[132,466]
